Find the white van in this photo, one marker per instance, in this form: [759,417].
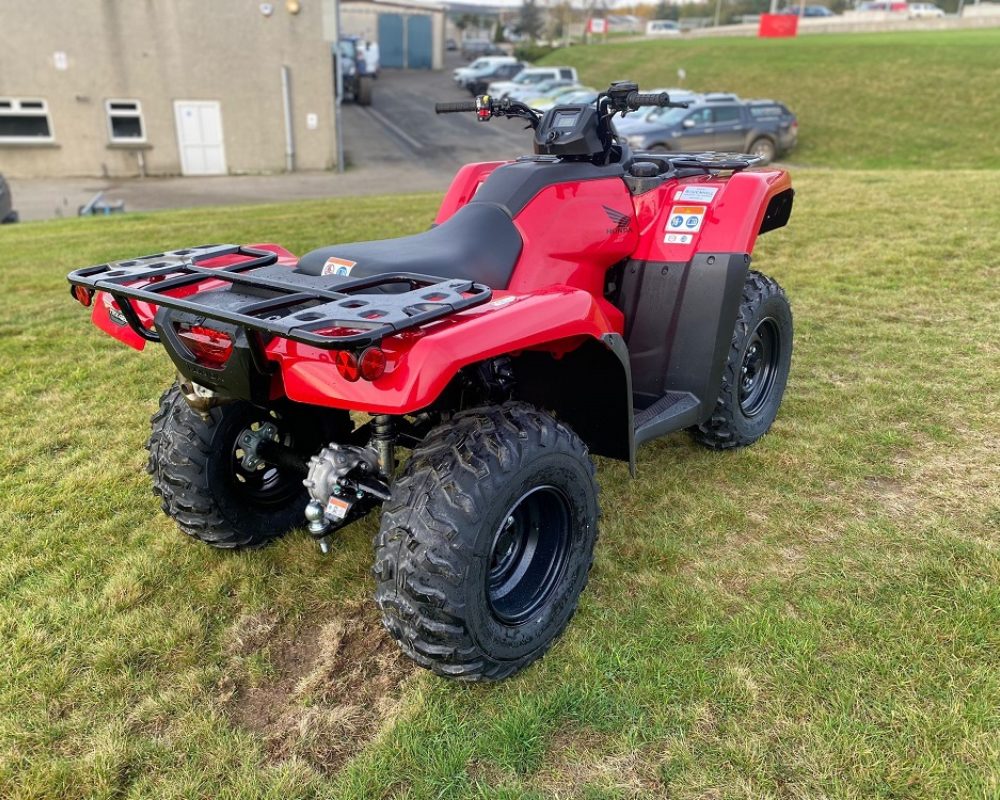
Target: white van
[663,27]
[479,65]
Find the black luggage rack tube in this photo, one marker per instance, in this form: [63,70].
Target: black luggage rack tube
[374,315]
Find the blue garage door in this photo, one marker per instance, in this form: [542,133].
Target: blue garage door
[418,42]
[390,40]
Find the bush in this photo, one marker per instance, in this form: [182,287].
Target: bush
[529,51]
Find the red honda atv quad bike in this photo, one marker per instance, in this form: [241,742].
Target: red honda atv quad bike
[581,300]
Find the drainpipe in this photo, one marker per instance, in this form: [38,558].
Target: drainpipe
[338,130]
[286,99]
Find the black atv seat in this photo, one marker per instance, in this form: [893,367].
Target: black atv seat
[478,242]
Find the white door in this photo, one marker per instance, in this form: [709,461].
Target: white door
[199,137]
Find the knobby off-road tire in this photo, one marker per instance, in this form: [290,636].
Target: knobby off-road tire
[756,371]
[365,87]
[764,148]
[458,530]
[196,472]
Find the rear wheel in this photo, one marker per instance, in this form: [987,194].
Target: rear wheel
[487,541]
[210,482]
[364,94]
[763,148]
[756,371]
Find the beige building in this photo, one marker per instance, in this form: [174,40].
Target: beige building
[165,87]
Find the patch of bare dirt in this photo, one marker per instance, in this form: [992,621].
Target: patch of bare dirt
[334,686]
[578,760]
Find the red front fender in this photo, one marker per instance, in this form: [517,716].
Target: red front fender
[421,363]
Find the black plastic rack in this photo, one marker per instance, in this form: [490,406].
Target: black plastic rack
[279,302]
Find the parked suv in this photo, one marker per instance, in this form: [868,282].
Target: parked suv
[477,82]
[7,212]
[526,79]
[765,128]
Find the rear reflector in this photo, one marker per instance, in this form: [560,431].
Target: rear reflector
[372,364]
[83,295]
[211,348]
[347,366]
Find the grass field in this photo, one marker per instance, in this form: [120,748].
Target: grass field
[816,616]
[914,100]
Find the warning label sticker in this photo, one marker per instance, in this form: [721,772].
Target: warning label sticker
[686,218]
[338,266]
[678,238]
[337,508]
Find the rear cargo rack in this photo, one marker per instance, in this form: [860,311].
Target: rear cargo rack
[284,303]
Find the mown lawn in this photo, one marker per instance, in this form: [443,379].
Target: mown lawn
[817,616]
[914,100]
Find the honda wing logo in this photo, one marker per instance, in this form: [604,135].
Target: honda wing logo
[623,222]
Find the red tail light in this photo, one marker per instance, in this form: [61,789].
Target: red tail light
[210,347]
[347,366]
[372,364]
[83,295]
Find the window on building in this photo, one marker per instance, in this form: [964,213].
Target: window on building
[125,121]
[24,120]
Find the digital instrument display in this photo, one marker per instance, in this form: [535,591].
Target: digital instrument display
[565,119]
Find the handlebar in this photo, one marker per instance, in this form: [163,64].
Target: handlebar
[486,108]
[453,108]
[636,100]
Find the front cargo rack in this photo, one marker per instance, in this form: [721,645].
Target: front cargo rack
[314,310]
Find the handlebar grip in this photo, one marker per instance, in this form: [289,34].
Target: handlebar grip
[637,99]
[451,108]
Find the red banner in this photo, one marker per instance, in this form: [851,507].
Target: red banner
[775,25]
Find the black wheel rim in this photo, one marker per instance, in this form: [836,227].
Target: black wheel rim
[266,485]
[759,367]
[529,554]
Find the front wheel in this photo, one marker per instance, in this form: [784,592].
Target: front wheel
[487,542]
[756,371]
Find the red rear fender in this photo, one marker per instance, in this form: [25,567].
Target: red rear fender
[421,363]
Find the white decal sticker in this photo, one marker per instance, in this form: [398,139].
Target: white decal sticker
[503,301]
[677,238]
[686,218]
[698,194]
[338,266]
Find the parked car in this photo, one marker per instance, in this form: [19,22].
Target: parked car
[925,11]
[568,96]
[450,44]
[528,78]
[885,6]
[7,212]
[540,90]
[663,27]
[479,47]
[477,82]
[764,128]
[461,74]
[808,11]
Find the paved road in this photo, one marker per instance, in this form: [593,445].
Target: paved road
[401,130]
[396,145]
